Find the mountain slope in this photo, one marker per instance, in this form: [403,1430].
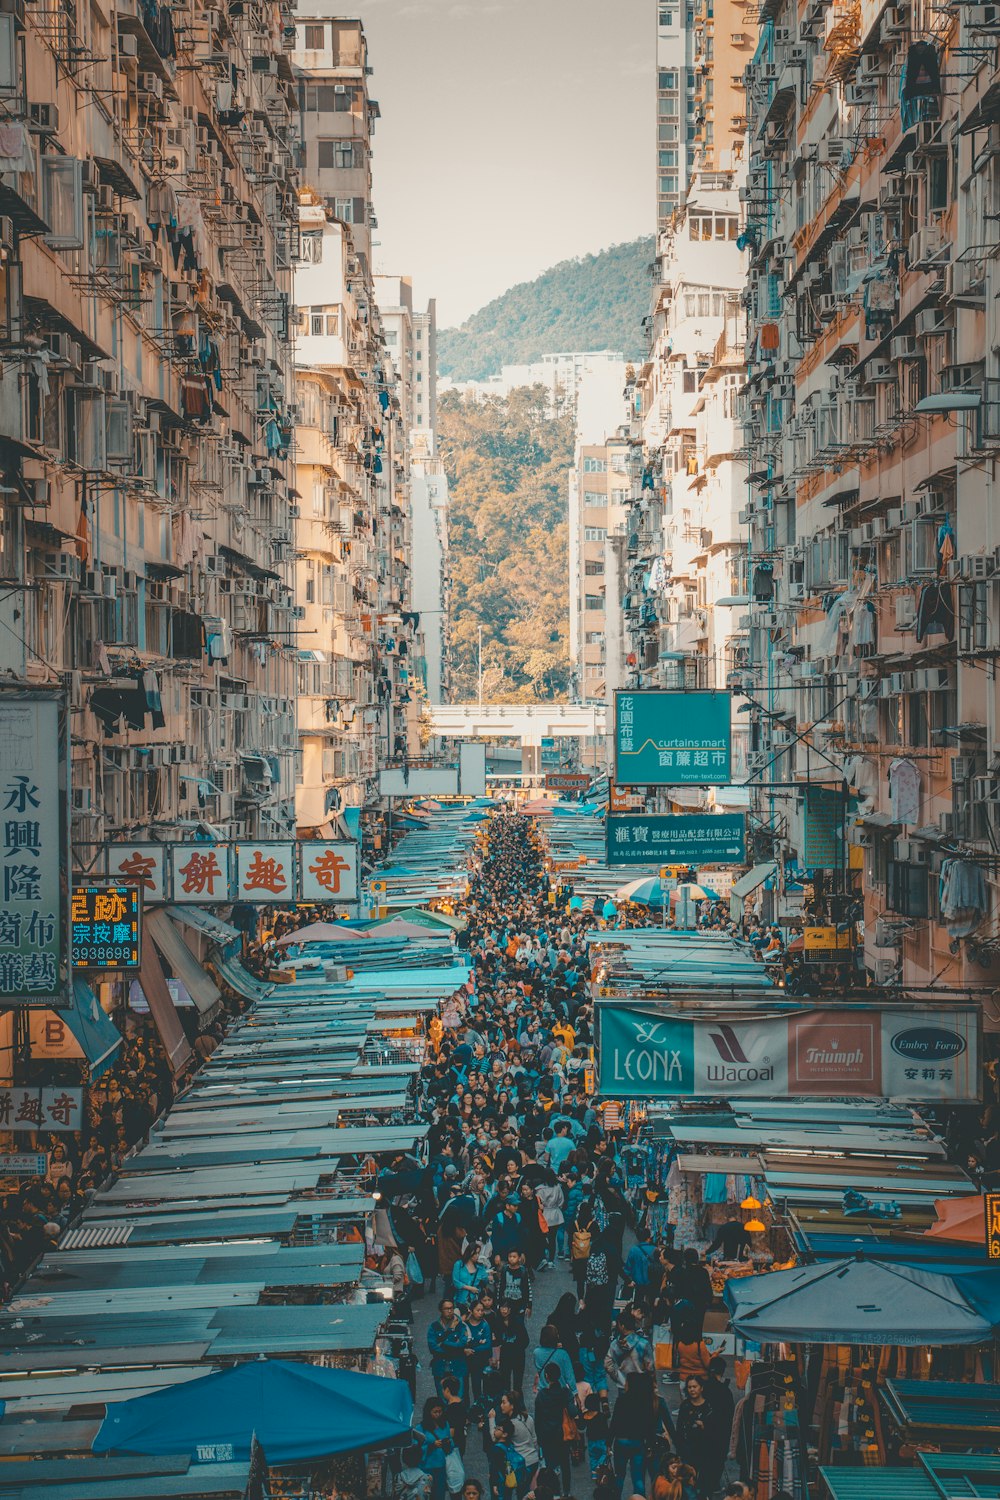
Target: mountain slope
[594,302]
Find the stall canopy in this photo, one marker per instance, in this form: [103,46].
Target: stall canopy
[857,1302]
[960,1220]
[200,986]
[204,921]
[296,1411]
[753,878]
[321,932]
[97,1036]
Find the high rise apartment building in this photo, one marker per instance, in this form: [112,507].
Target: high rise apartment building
[599,492]
[872,431]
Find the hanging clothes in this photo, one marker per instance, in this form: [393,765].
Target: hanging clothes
[763,583]
[154,705]
[935,611]
[962,896]
[920,85]
[904,791]
[945,546]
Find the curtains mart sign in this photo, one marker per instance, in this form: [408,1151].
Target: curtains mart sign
[704,839]
[673,739]
[850,1052]
[267,873]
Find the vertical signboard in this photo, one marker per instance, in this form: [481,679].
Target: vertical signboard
[328,871]
[34,859]
[823,828]
[265,873]
[673,739]
[199,873]
[106,926]
[991,1208]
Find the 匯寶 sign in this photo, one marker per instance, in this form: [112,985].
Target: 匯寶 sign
[34,908]
[50,1108]
[673,739]
[696,838]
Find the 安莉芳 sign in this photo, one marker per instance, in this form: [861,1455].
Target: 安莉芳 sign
[673,739]
[696,838]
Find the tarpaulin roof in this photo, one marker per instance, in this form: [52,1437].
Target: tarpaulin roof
[856,1301]
[753,878]
[96,1034]
[296,1411]
[959,1219]
[204,921]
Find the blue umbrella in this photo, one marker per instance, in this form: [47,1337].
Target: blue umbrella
[296,1411]
[646,891]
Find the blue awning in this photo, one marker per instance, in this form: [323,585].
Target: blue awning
[96,1034]
[204,921]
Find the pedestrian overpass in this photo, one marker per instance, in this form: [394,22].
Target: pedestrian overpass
[531,723]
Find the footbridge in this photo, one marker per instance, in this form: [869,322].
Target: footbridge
[531,723]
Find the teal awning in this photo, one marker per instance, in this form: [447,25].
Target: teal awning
[204,921]
[239,979]
[754,878]
[96,1034]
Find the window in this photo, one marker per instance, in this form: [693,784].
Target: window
[668,79]
[907,889]
[595,498]
[595,466]
[666,17]
[343,208]
[312,246]
[668,184]
[315,38]
[333,321]
[667,132]
[593,601]
[316,323]
[593,569]
[668,158]
[325,150]
[62,201]
[344,154]
[594,533]
[690,381]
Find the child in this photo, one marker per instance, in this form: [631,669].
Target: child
[595,1429]
[412,1482]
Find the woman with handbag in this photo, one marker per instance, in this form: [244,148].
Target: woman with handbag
[549,1352]
[551,1201]
[436,1441]
[582,1231]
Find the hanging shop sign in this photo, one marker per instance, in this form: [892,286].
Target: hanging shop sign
[34,895]
[673,739]
[106,926]
[144,865]
[50,1036]
[265,872]
[51,1108]
[824,816]
[704,838]
[199,873]
[849,1052]
[566,781]
[991,1208]
[831,945]
[24,1164]
[620,800]
[329,871]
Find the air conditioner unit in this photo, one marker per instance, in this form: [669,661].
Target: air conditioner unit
[151,83]
[215,565]
[927,245]
[128,46]
[80,799]
[886,970]
[826,307]
[959,377]
[932,321]
[908,852]
[109,585]
[929,136]
[860,536]
[859,95]
[906,611]
[880,372]
[894,22]
[900,682]
[43,119]
[903,347]
[984,788]
[872,67]
[962,767]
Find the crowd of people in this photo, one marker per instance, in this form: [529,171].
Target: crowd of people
[523,1177]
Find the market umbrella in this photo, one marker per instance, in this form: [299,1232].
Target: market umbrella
[296,1412]
[857,1301]
[645,891]
[696,892]
[321,932]
[430,918]
[400,927]
[960,1220]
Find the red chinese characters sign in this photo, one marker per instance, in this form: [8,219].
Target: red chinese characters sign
[199,873]
[143,865]
[52,1108]
[265,872]
[328,871]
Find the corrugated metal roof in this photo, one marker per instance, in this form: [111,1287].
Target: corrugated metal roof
[886,1484]
[89,1235]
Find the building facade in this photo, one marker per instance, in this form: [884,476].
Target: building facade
[871,428]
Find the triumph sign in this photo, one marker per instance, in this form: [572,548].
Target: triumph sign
[844,1052]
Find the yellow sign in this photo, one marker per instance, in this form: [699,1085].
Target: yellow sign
[827,938]
[991,1207]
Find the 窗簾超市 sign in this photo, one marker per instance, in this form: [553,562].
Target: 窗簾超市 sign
[673,739]
[851,1052]
[695,838]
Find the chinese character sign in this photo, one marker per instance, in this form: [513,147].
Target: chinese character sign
[105,926]
[673,739]
[991,1208]
[143,865]
[33,852]
[51,1108]
[265,872]
[328,871]
[199,873]
[688,839]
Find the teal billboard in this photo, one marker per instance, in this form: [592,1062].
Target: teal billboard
[673,739]
[688,839]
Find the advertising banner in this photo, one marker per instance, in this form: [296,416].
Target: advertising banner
[673,739]
[620,801]
[566,781]
[265,873]
[106,926]
[848,1052]
[34,895]
[695,838]
[329,871]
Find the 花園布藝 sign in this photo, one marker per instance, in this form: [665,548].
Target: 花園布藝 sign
[851,1052]
[34,831]
[673,739]
[706,838]
[106,926]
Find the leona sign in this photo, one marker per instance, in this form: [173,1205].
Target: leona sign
[673,739]
[849,1052]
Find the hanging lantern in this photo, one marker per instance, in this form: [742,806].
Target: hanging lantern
[750,1202]
[755,1226]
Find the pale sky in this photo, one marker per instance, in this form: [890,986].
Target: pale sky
[514,134]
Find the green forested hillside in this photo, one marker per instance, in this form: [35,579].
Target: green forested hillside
[595,302]
[507,463]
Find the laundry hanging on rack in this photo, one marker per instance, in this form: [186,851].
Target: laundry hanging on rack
[935,611]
